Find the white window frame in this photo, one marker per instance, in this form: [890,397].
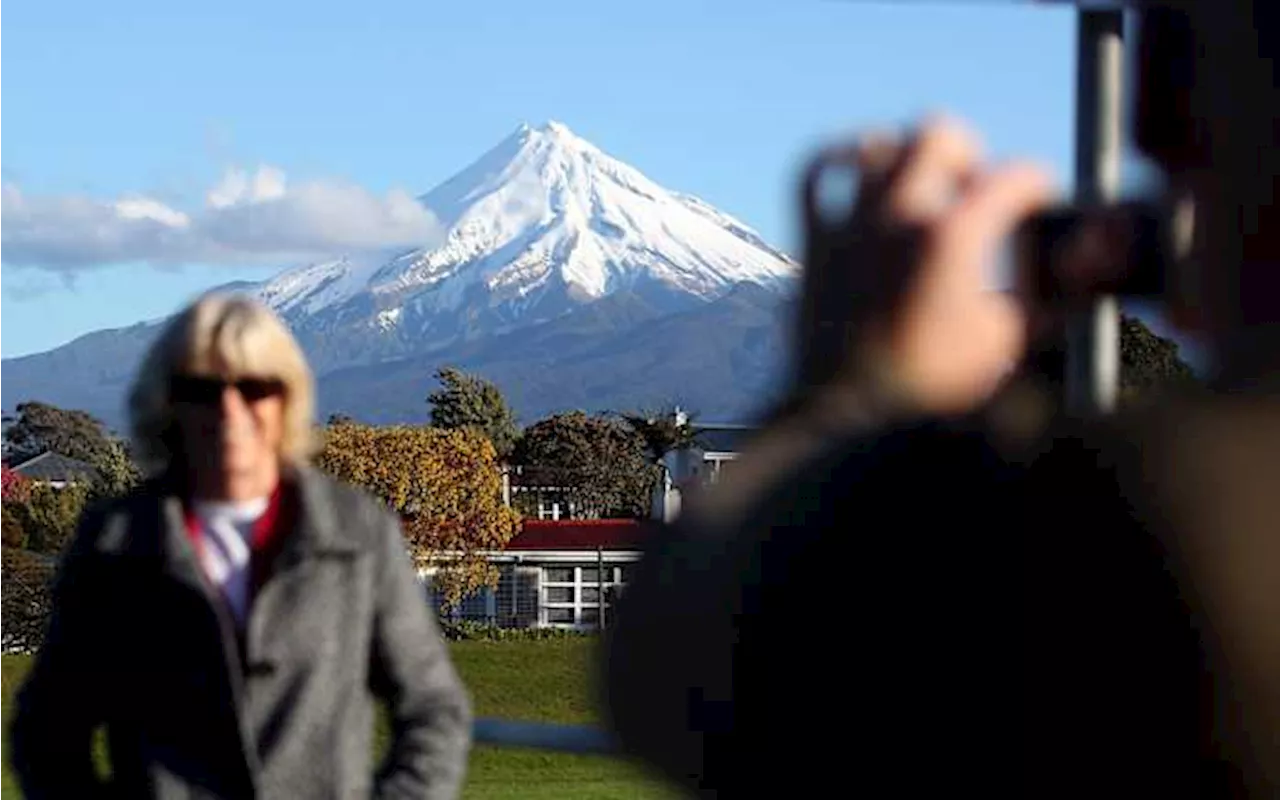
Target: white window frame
[613,579]
[713,462]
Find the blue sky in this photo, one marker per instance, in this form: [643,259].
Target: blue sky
[721,99]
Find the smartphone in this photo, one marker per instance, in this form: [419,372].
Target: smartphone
[1066,255]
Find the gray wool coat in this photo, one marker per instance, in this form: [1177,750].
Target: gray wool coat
[139,644]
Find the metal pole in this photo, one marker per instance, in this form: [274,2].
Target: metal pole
[600,587]
[1093,334]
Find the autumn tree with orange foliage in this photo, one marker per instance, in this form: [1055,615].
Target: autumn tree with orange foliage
[445,485]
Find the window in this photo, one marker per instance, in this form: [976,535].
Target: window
[571,595]
[558,575]
[542,502]
[559,616]
[717,469]
[480,606]
[517,602]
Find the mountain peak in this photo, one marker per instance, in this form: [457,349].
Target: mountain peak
[548,127]
[549,133]
[541,223]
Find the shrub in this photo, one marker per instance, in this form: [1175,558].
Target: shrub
[50,516]
[12,533]
[469,631]
[26,599]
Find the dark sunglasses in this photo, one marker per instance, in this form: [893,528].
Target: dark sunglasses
[204,391]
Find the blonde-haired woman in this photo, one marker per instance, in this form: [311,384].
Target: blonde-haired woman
[230,622]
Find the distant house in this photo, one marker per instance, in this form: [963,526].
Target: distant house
[536,492]
[563,573]
[718,445]
[555,574]
[56,470]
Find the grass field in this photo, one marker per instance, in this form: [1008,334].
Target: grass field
[548,681]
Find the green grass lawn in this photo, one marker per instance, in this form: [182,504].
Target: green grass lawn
[548,681]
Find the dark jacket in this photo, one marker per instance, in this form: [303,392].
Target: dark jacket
[942,607]
[138,644]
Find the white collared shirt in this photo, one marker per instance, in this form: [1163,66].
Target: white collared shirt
[227,536]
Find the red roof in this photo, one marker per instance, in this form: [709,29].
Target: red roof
[579,534]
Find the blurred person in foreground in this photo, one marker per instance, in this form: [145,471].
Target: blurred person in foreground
[230,621]
[917,581]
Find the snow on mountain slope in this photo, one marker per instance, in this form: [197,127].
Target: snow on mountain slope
[312,288]
[544,218]
[543,233]
[739,229]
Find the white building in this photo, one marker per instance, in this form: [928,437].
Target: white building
[718,446]
[558,574]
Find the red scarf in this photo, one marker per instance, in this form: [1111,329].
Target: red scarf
[268,533]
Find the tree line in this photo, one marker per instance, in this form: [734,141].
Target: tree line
[443,478]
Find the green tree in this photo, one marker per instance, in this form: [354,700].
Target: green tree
[1147,361]
[117,472]
[446,487]
[468,401]
[662,430]
[49,516]
[40,427]
[7,421]
[600,462]
[13,534]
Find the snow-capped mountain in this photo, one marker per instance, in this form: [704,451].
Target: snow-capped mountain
[541,226]
[542,223]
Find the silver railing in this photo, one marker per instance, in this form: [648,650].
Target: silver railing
[544,736]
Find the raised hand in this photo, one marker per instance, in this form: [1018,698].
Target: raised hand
[896,298]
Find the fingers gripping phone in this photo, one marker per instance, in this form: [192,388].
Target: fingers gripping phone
[1067,255]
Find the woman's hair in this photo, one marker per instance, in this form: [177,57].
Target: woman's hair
[227,336]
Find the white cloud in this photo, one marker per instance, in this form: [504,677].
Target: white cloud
[133,208]
[237,187]
[248,217]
